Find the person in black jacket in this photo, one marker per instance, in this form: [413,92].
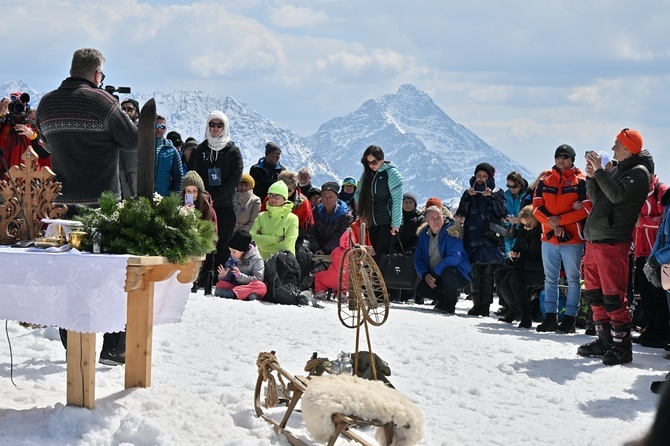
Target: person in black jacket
[266,171]
[525,270]
[219,162]
[482,203]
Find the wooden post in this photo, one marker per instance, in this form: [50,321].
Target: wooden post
[139,335]
[80,369]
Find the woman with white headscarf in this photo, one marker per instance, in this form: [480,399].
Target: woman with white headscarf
[219,162]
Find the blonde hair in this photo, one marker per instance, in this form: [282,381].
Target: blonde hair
[526,213]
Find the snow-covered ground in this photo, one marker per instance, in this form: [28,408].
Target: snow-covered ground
[478,381]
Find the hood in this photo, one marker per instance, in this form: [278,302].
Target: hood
[341,208]
[218,143]
[280,211]
[452,227]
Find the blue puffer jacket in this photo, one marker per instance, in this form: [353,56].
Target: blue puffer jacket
[661,250]
[476,209]
[168,171]
[451,249]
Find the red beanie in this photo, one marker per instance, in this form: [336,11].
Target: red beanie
[631,140]
[434,202]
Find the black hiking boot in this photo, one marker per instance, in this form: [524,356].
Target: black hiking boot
[550,323]
[474,311]
[622,348]
[601,345]
[567,325]
[526,322]
[513,314]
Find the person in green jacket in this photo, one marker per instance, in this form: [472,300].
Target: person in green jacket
[276,229]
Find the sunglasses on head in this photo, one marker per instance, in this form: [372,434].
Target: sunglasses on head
[216,124]
[160,126]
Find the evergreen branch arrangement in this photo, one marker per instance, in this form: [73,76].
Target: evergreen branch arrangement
[139,227]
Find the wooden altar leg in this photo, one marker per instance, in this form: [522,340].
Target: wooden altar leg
[80,369]
[139,335]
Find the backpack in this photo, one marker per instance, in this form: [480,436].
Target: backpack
[282,274]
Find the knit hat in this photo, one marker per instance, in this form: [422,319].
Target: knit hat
[631,140]
[350,181]
[434,202]
[240,240]
[486,167]
[192,179]
[332,186]
[313,191]
[190,142]
[175,137]
[271,147]
[279,188]
[132,101]
[566,149]
[605,157]
[411,196]
[246,178]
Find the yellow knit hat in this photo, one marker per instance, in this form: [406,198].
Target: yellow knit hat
[246,178]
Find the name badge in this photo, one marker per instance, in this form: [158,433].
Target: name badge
[214,176]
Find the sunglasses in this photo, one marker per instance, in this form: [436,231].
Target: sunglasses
[216,124]
[102,77]
[512,186]
[373,162]
[562,156]
[274,196]
[526,225]
[160,126]
[625,132]
[128,109]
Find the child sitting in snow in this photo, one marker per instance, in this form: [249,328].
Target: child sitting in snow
[242,275]
[327,279]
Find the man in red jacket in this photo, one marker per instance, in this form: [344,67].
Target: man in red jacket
[561,205]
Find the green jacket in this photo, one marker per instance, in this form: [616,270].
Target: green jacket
[270,225]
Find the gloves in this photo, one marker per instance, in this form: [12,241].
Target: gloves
[653,274]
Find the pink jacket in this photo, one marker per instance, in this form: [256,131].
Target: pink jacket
[651,214]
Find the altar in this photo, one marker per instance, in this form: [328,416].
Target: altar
[95,293]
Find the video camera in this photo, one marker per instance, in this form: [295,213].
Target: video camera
[111,90]
[16,112]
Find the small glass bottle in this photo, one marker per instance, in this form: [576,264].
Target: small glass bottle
[96,237]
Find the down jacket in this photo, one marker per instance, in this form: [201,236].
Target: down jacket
[476,209]
[271,225]
[451,248]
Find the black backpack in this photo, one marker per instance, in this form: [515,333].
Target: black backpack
[282,275]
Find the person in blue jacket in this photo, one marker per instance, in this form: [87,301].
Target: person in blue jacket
[441,261]
[168,171]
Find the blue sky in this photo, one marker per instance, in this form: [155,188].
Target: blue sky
[525,76]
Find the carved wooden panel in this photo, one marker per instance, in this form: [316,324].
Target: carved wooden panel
[27,191]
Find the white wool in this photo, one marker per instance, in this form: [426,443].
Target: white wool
[369,400]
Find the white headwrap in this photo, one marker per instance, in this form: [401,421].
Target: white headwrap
[219,142]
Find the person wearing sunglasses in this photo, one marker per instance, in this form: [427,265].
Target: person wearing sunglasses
[219,162]
[379,198]
[562,241]
[168,172]
[85,129]
[617,197]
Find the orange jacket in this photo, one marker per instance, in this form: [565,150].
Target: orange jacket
[555,196]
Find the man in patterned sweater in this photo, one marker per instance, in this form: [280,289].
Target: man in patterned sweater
[84,128]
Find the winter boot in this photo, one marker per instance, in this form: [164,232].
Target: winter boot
[513,314]
[622,348]
[550,323]
[601,345]
[474,311]
[568,324]
[484,310]
[526,322]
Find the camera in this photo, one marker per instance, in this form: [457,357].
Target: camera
[111,90]
[16,111]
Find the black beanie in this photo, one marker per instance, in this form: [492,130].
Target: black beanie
[271,147]
[240,241]
[486,167]
[564,148]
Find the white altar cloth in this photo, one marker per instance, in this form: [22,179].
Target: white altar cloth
[77,291]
